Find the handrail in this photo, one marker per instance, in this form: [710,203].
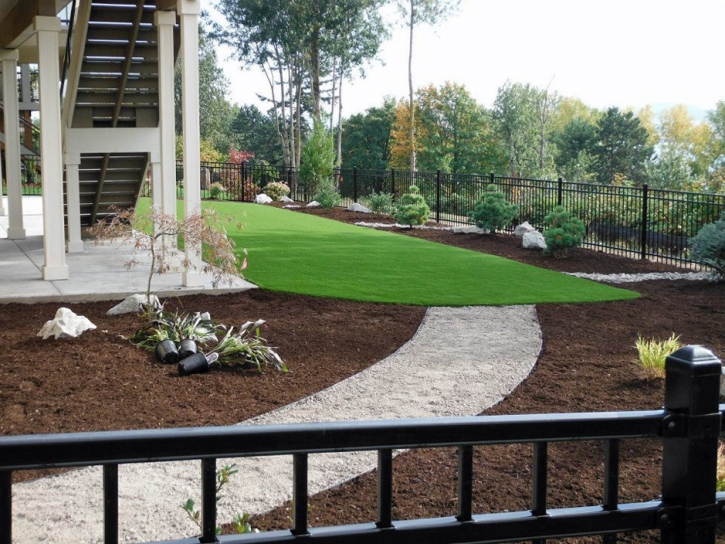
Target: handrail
[66,59]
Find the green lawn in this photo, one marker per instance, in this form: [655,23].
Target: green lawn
[299,253]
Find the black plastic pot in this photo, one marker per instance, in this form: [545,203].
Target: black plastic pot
[166,352]
[186,348]
[196,364]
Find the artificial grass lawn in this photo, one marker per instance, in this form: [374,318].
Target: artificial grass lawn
[299,253]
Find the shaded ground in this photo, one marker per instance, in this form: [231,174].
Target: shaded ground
[100,381]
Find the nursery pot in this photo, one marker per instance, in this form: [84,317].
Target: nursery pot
[196,364]
[166,352]
[187,348]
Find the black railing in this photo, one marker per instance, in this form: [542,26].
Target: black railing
[637,222]
[687,510]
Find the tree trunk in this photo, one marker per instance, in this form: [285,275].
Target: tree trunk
[332,96]
[339,123]
[410,88]
[315,71]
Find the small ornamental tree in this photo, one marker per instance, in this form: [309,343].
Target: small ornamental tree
[412,209]
[708,246]
[317,159]
[156,233]
[327,195]
[493,212]
[564,231]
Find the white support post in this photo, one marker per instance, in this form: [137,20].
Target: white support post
[189,11]
[72,187]
[51,154]
[16,230]
[165,21]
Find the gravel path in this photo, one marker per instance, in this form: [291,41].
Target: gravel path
[460,362]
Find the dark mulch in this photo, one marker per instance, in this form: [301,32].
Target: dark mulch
[100,381]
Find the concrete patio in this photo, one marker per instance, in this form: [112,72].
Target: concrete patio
[98,273]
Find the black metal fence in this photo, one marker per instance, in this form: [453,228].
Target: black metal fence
[637,222]
[686,509]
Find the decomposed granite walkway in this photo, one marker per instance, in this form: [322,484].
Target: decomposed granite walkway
[460,362]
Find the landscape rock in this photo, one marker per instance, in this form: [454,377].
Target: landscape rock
[313,204]
[65,324]
[261,198]
[523,228]
[286,200]
[134,303]
[533,240]
[357,207]
[470,229]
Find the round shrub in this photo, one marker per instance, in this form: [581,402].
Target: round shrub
[379,202]
[564,231]
[708,246]
[216,190]
[412,209]
[276,190]
[328,196]
[493,212]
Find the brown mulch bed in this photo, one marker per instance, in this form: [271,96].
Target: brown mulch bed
[101,381]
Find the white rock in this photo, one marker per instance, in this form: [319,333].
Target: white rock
[261,198]
[66,324]
[534,240]
[292,206]
[134,303]
[470,229]
[286,200]
[357,207]
[313,204]
[523,228]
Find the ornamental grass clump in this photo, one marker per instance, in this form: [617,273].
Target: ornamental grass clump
[246,348]
[720,484]
[328,196]
[652,354]
[177,327]
[276,190]
[563,233]
[493,212]
[381,203]
[412,209]
[708,246]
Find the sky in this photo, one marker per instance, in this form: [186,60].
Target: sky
[624,53]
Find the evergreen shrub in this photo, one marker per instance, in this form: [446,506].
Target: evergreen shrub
[564,231]
[493,212]
[412,209]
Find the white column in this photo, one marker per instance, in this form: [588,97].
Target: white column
[72,188]
[189,11]
[165,21]
[16,231]
[51,154]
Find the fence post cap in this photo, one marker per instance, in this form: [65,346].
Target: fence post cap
[698,359]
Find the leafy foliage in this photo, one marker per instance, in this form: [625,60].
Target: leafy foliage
[174,326]
[247,348]
[217,190]
[318,159]
[564,231]
[276,190]
[493,212]
[412,209]
[327,195]
[379,202]
[367,138]
[622,147]
[652,354]
[708,246]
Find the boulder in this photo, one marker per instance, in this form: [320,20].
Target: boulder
[357,207]
[470,229]
[533,240]
[261,198]
[65,324]
[313,204]
[286,200]
[523,228]
[134,303]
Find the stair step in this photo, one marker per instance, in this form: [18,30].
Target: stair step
[101,14]
[98,33]
[111,84]
[144,51]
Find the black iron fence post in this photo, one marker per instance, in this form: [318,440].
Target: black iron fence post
[643,240]
[289,184]
[560,192]
[354,184]
[392,182]
[438,196]
[491,177]
[690,441]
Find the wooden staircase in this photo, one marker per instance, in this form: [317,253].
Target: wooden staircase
[115,86]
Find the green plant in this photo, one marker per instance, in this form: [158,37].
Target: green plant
[174,326]
[276,190]
[720,485]
[327,195]
[217,190]
[247,348]
[652,354]
[493,212]
[317,159]
[708,246]
[564,231]
[379,202]
[240,522]
[412,209]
